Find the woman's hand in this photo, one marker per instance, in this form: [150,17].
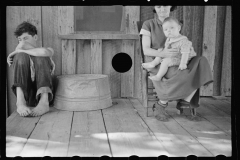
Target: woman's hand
[168,53]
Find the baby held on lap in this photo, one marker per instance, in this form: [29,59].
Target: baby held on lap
[171,29]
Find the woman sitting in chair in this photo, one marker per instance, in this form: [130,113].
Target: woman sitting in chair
[180,85]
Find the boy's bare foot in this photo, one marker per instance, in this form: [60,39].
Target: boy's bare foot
[148,65]
[23,110]
[155,78]
[42,107]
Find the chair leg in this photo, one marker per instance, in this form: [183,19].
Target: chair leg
[193,111]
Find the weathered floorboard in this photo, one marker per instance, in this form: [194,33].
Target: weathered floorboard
[211,137]
[215,118]
[225,108]
[120,130]
[128,134]
[18,130]
[59,135]
[38,141]
[176,140]
[88,135]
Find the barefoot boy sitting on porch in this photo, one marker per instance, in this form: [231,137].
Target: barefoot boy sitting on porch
[32,70]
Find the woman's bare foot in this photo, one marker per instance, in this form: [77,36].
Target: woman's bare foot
[148,65]
[23,110]
[42,107]
[155,78]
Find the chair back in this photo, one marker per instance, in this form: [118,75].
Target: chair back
[139,25]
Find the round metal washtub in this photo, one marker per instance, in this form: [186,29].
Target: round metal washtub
[82,92]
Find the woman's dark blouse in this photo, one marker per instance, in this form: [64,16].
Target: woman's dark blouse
[153,28]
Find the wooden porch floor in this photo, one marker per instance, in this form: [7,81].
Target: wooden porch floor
[121,131]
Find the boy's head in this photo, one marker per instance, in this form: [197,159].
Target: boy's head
[171,27]
[26,32]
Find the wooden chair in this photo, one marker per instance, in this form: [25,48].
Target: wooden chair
[149,94]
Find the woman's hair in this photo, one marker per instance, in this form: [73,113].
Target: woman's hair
[171,9]
[25,27]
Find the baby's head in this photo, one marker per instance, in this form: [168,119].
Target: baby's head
[171,27]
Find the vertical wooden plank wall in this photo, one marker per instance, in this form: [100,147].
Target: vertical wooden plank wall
[50,39]
[109,49]
[187,21]
[68,56]
[128,79]
[197,28]
[202,24]
[209,42]
[217,67]
[50,35]
[96,56]
[66,26]
[15,16]
[227,53]
[83,56]
[193,17]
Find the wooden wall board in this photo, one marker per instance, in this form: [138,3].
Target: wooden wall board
[209,42]
[109,49]
[68,56]
[137,71]
[187,20]
[83,56]
[132,16]
[88,135]
[65,19]
[100,35]
[50,35]
[226,81]
[197,28]
[221,14]
[127,78]
[96,56]
[107,69]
